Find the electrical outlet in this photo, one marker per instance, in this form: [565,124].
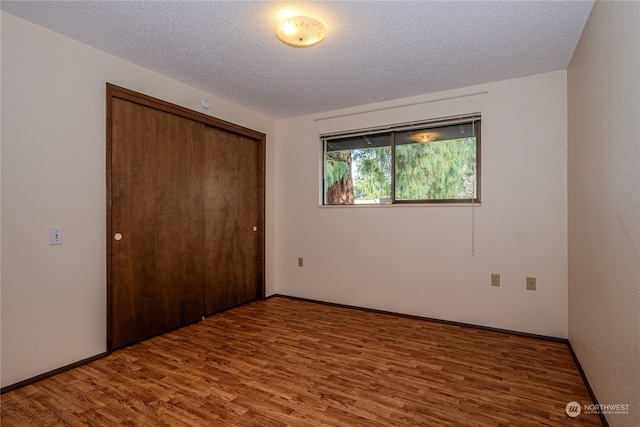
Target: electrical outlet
[300,262]
[495,279]
[531,283]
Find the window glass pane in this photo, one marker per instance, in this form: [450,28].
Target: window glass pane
[357,170]
[372,175]
[436,163]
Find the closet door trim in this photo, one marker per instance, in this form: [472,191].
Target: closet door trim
[113,91]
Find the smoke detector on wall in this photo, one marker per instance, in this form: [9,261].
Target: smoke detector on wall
[206,103]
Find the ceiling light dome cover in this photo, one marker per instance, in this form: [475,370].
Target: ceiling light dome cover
[300,31]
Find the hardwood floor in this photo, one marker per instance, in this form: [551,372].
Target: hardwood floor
[285,362]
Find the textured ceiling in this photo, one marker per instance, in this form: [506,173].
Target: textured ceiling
[374,51]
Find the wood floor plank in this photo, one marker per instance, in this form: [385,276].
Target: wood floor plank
[285,363]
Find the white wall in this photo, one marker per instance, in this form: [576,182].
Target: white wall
[418,260]
[53,175]
[604,205]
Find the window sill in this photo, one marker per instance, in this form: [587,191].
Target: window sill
[404,205]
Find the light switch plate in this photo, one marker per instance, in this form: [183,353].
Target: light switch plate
[55,236]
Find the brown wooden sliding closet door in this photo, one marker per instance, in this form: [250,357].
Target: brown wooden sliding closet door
[157,222]
[233,225]
[185,216]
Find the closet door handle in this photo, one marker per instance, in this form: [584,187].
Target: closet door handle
[255,228]
[117,236]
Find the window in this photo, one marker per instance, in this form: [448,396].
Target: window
[426,162]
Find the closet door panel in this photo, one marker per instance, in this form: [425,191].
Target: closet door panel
[157,268]
[233,226]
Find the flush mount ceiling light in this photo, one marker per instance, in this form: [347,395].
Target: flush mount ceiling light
[300,31]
